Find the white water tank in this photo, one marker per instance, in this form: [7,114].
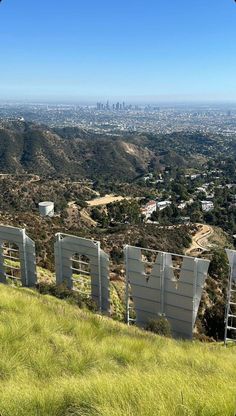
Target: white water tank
[46,209]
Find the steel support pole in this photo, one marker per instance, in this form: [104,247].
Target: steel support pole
[126,284]
[25,258]
[99,278]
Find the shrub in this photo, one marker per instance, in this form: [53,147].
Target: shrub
[219,267]
[117,255]
[203,338]
[62,292]
[160,326]
[213,320]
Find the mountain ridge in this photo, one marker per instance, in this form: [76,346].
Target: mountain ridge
[30,148]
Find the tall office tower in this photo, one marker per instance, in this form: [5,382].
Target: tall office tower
[123,105]
[117,106]
[107,105]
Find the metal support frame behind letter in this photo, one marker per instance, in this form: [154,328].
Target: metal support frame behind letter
[160,293]
[65,248]
[230,309]
[27,256]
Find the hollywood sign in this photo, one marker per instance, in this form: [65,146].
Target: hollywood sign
[170,285]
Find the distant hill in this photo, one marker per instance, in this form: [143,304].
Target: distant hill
[30,148]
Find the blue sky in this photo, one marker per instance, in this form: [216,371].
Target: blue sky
[144,50]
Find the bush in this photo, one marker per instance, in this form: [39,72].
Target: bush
[213,320]
[117,255]
[203,338]
[219,267]
[160,326]
[62,292]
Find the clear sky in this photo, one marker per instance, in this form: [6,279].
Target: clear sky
[146,49]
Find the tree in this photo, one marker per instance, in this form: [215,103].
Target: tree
[155,215]
[219,268]
[213,320]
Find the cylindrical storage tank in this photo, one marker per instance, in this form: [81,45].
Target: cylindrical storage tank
[46,209]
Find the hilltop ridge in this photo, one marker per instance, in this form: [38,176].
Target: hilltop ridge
[31,148]
[58,360]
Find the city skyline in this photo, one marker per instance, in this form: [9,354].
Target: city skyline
[142,53]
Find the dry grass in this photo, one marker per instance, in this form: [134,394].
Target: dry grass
[57,360]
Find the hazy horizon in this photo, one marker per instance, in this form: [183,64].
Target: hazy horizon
[111,100]
[159,51]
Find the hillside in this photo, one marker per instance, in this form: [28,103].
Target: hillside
[57,360]
[30,148]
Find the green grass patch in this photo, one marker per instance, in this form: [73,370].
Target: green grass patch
[58,360]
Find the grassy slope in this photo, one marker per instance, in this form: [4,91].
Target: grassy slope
[58,360]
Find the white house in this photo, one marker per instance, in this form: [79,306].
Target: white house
[207,206]
[163,204]
[148,209]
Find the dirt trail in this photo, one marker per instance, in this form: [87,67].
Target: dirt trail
[200,242]
[86,217]
[72,211]
[107,199]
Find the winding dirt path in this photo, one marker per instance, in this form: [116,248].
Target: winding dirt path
[200,241]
